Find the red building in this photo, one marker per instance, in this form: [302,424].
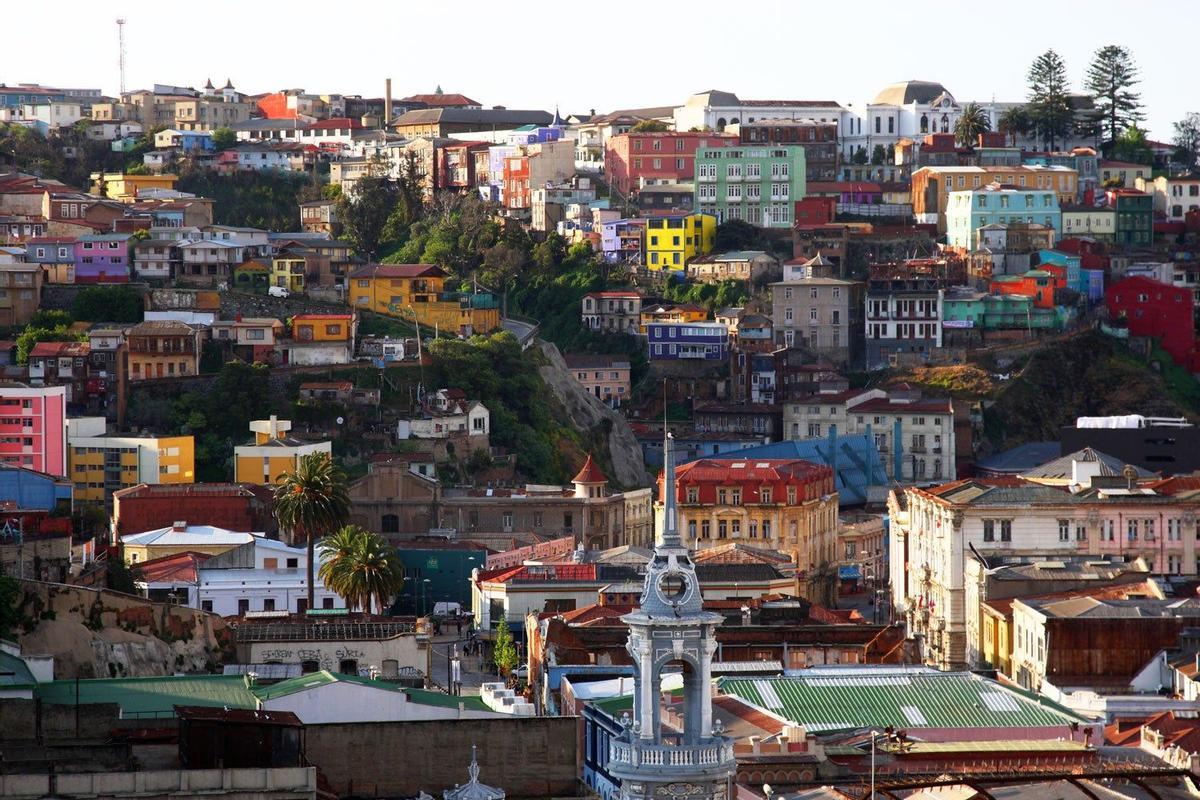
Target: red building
[233,506]
[736,482]
[456,165]
[517,192]
[1158,310]
[1042,284]
[663,157]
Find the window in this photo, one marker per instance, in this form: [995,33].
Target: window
[765,495]
[722,529]
[1174,529]
[705,529]
[206,605]
[1080,532]
[243,605]
[1107,530]
[268,604]
[293,563]
[1064,530]
[1006,530]
[1131,530]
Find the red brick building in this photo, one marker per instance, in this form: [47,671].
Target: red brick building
[233,506]
[1158,310]
[456,165]
[662,157]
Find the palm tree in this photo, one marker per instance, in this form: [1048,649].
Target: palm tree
[974,121]
[367,573]
[311,501]
[337,549]
[1014,122]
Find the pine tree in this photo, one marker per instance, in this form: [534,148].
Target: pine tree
[504,653]
[1110,79]
[1049,106]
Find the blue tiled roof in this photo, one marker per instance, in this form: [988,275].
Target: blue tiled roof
[1021,458]
[854,459]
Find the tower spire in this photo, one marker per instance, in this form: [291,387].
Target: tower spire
[670,531]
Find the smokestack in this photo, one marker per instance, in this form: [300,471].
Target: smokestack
[386,117]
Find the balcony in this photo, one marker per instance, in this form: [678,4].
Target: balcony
[917,448]
[631,759]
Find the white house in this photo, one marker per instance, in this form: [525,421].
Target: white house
[111,131]
[460,417]
[55,113]
[261,575]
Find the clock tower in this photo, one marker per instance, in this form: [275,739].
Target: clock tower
[671,629]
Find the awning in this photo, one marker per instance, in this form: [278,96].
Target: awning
[849,573]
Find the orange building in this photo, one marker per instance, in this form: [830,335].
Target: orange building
[1042,284]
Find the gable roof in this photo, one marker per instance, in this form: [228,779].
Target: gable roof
[398,271]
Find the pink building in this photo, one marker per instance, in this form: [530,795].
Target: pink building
[33,427]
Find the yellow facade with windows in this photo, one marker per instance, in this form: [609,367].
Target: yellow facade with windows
[273,453]
[100,465]
[126,188]
[673,241]
[416,292]
[289,272]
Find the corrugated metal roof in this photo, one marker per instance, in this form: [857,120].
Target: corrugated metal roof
[152,696]
[903,699]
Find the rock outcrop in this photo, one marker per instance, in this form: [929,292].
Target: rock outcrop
[96,633]
[589,415]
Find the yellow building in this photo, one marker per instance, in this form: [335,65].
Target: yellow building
[325,327]
[289,272]
[416,292]
[99,465]
[672,241]
[671,312]
[272,453]
[931,186]
[126,188]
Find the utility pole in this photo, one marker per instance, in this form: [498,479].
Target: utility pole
[121,47]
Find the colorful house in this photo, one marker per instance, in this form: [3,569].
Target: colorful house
[272,453]
[289,271]
[55,254]
[1135,217]
[102,258]
[416,292]
[1158,310]
[101,464]
[670,312]
[672,241]
[126,188]
[1039,284]
[996,204]
[669,341]
[757,184]
[34,427]
[163,349]
[253,274]
[325,327]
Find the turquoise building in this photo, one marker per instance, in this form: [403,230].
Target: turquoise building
[969,210]
[965,308]
[758,184]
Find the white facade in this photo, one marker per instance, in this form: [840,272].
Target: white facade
[276,582]
[476,420]
[56,113]
[715,110]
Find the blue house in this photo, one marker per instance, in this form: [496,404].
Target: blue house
[670,341]
[31,490]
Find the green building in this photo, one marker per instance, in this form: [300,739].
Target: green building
[1135,217]
[758,184]
[964,308]
[433,576]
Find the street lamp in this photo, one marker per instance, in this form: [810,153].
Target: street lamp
[424,595]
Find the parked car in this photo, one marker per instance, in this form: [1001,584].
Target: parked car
[278,291]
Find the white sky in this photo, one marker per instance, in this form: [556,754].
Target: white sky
[600,54]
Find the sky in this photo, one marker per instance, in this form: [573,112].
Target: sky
[601,55]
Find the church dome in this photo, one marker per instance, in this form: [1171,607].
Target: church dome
[905,92]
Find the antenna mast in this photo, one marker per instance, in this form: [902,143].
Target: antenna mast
[121,45]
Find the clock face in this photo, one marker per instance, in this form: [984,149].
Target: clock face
[673,587]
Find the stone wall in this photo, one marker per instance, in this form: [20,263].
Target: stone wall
[19,720]
[525,756]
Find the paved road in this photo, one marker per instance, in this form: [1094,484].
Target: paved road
[524,331]
[473,673]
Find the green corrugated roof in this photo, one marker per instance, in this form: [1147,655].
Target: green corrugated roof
[146,696]
[14,671]
[824,701]
[431,698]
[613,706]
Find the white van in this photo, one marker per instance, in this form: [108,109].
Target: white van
[278,291]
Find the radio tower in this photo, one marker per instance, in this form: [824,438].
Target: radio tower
[121,44]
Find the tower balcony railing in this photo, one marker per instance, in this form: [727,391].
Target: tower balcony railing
[634,755]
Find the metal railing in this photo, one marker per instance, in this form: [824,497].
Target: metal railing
[649,755]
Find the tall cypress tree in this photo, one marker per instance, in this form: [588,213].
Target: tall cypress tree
[1049,106]
[1110,80]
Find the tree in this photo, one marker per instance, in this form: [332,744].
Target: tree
[32,335]
[311,501]
[974,121]
[650,126]
[860,156]
[504,653]
[1131,146]
[736,234]
[1110,80]
[878,155]
[365,212]
[1049,106]
[120,577]
[108,304]
[1014,122]
[362,568]
[224,138]
[1187,139]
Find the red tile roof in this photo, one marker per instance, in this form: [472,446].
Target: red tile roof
[52,349]
[304,317]
[590,473]
[179,568]
[398,271]
[335,123]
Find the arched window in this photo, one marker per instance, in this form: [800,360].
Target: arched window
[390,523]
[720,123]
[924,124]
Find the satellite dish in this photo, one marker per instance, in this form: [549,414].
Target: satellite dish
[341,420]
